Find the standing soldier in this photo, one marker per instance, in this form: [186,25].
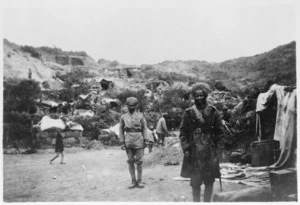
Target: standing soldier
[29,73]
[161,129]
[133,137]
[152,137]
[200,132]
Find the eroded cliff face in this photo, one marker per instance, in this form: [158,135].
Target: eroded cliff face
[43,65]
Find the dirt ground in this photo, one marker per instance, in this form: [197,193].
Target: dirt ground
[30,178]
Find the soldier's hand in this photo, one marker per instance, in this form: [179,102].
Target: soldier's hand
[186,153]
[146,143]
[123,147]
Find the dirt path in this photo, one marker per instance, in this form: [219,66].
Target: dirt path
[30,178]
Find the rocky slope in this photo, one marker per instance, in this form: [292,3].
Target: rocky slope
[275,66]
[42,62]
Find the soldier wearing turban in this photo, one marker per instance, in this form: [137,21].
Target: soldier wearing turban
[133,137]
[200,131]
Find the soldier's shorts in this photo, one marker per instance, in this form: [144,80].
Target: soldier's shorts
[197,179]
[135,155]
[161,138]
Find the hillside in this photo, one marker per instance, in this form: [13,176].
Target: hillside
[275,66]
[185,67]
[44,62]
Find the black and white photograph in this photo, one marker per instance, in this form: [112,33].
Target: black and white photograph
[149,101]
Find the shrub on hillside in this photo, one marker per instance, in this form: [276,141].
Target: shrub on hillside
[219,86]
[192,82]
[19,104]
[17,127]
[174,98]
[114,63]
[140,95]
[59,51]
[92,126]
[20,96]
[169,77]
[70,93]
[33,52]
[75,77]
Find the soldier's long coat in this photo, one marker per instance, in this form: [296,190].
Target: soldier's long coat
[211,129]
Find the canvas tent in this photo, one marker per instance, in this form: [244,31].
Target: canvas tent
[48,123]
[47,103]
[276,118]
[111,102]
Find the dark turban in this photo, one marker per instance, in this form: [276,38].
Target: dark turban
[201,86]
[131,101]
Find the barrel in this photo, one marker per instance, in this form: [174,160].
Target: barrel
[263,152]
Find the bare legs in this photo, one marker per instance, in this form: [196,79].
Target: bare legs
[57,155]
[62,158]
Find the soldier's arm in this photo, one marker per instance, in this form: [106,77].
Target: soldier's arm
[218,127]
[121,130]
[184,131]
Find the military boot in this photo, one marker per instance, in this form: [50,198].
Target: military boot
[132,174]
[139,183]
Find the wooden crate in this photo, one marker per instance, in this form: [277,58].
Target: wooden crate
[283,182]
[263,152]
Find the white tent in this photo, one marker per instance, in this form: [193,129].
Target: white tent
[285,122]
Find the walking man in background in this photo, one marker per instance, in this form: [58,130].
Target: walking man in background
[59,143]
[133,137]
[200,134]
[161,129]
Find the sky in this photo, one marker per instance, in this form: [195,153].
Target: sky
[148,32]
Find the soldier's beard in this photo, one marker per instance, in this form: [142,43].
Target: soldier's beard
[131,110]
[200,103]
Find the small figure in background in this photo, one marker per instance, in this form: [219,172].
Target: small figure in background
[162,130]
[29,74]
[59,144]
[33,130]
[152,138]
